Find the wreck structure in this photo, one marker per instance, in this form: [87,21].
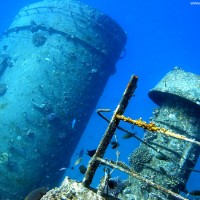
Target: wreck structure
[160,167]
[55,59]
[173,156]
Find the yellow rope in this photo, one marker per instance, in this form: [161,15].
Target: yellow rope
[153,128]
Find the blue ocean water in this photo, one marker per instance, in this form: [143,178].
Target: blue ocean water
[161,35]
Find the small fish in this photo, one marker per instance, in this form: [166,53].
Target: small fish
[62,169]
[73,123]
[114,144]
[112,184]
[129,135]
[37,194]
[77,162]
[91,152]
[47,59]
[82,169]
[195,193]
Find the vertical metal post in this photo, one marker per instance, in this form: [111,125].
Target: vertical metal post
[94,163]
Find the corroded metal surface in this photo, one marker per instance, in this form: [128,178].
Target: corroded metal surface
[74,190]
[178,97]
[93,165]
[55,60]
[179,83]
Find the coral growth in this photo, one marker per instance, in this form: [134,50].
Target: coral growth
[72,190]
[38,39]
[139,158]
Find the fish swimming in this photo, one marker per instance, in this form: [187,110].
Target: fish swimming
[129,135]
[195,193]
[112,183]
[62,169]
[77,162]
[91,152]
[114,144]
[73,123]
[82,169]
[37,194]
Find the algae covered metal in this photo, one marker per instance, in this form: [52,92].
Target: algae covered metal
[160,167]
[55,60]
[170,165]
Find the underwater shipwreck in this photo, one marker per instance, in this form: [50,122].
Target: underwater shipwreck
[160,167]
[55,57]
[55,60]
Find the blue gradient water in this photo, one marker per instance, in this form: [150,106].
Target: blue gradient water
[161,35]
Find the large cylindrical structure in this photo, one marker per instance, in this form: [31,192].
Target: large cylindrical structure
[55,60]
[171,160]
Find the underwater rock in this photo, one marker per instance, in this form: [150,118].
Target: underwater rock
[71,189]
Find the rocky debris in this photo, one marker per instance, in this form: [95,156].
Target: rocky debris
[74,190]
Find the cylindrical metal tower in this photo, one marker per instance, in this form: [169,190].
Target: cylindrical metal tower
[55,60]
[178,96]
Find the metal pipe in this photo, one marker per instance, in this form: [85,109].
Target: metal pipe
[55,60]
[94,163]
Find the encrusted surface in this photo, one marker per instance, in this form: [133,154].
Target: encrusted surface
[55,60]
[139,158]
[178,96]
[71,189]
[179,83]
